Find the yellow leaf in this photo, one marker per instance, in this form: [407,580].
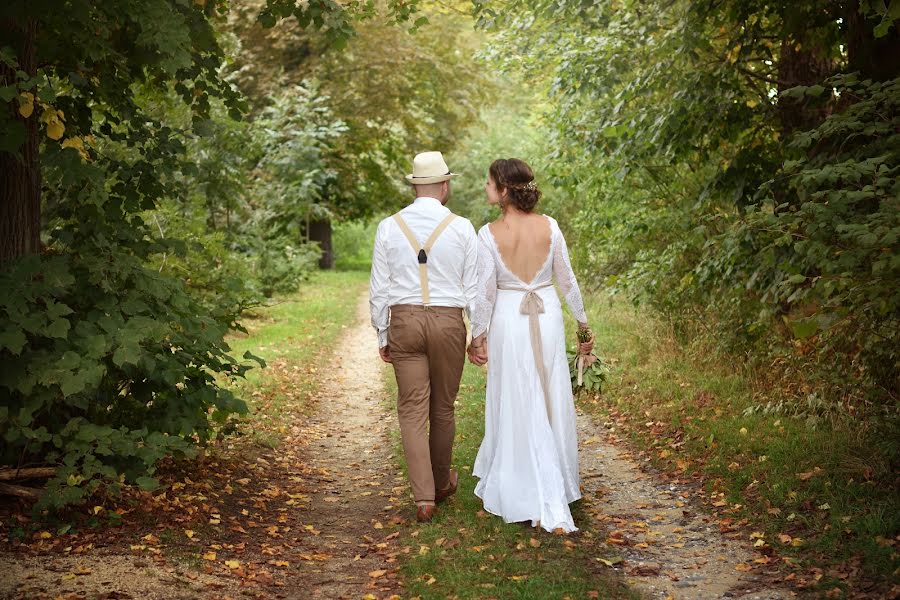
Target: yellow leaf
[796,542]
[209,556]
[759,543]
[45,535]
[378,573]
[743,431]
[189,533]
[26,104]
[742,567]
[55,130]
[232,564]
[423,550]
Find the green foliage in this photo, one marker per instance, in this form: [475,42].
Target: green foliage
[830,259]
[164,218]
[353,242]
[708,160]
[107,366]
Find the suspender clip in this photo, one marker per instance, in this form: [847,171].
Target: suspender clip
[423,258]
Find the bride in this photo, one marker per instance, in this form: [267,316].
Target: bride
[528,460]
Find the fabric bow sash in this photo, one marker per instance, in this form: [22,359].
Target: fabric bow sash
[533,305]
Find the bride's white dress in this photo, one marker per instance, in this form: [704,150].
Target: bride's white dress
[528,459]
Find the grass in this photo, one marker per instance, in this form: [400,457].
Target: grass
[784,477]
[295,334]
[468,553]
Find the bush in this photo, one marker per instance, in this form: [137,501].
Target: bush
[106,366]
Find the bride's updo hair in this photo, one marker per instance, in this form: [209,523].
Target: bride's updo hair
[516,177]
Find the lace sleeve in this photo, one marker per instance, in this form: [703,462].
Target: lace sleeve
[486,293]
[565,277]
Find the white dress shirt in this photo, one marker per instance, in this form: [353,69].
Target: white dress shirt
[452,263]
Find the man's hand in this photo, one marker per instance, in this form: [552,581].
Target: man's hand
[478,354]
[385,352]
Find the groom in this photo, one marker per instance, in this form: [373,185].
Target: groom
[423,277]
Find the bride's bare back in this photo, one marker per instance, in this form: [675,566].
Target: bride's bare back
[523,241]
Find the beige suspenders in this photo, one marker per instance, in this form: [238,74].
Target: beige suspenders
[422,251]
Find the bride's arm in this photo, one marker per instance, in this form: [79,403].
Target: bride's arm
[486,293]
[565,278]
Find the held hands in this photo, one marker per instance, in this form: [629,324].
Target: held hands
[385,353]
[478,351]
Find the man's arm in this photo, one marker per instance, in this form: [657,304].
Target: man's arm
[379,286]
[470,268]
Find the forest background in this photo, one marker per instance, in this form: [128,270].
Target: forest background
[730,167]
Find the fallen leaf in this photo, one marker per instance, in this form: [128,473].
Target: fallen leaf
[378,573]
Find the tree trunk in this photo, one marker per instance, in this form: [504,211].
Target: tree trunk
[875,58]
[27,473]
[20,491]
[320,231]
[20,175]
[801,62]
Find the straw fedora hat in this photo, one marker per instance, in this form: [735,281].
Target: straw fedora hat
[429,167]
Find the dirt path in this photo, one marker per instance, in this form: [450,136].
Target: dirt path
[318,516]
[321,515]
[359,497]
[670,549]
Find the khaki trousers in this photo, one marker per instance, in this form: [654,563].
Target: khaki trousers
[428,346]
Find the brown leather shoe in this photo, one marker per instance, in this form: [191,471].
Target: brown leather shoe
[424,514]
[441,495]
